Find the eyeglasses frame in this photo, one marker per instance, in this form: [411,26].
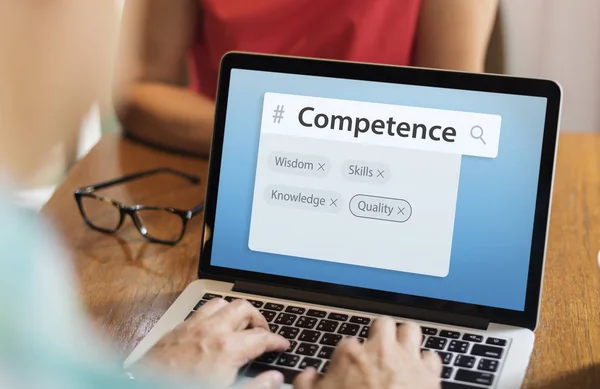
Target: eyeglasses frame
[131,210]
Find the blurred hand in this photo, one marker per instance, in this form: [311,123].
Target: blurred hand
[212,345]
[390,358]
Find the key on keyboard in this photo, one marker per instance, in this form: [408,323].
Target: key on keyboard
[450,334]
[458,346]
[309,349]
[327,325]
[268,357]
[316,313]
[293,344]
[337,316]
[474,377]
[326,352]
[255,303]
[496,342]
[330,339]
[445,357]
[200,303]
[429,331]
[269,315]
[473,338]
[289,360]
[274,307]
[349,329]
[446,372]
[309,336]
[487,351]
[464,361]
[364,333]
[286,318]
[488,364]
[296,310]
[306,322]
[310,362]
[436,343]
[360,320]
[289,332]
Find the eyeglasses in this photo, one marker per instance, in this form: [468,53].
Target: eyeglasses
[157,224]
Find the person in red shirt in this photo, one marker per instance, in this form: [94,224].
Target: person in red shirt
[192,35]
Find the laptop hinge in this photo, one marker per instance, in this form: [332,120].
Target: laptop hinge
[358,304]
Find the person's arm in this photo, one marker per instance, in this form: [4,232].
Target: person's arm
[454,34]
[154,107]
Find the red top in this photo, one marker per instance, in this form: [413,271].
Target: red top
[378,31]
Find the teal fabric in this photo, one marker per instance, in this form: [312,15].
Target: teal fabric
[45,341]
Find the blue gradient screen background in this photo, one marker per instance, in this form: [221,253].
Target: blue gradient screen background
[495,206]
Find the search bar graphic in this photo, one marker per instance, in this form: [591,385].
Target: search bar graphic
[427,129]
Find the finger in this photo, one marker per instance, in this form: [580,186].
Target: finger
[239,315]
[433,362]
[307,379]
[251,344]
[211,307]
[348,352]
[267,380]
[409,336]
[383,330]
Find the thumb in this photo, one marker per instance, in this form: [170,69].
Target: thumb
[307,379]
[267,380]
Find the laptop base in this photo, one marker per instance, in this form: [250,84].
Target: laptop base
[509,374]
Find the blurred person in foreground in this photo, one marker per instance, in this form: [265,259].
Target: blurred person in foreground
[193,35]
[55,60]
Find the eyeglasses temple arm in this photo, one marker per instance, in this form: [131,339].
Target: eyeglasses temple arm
[135,176]
[197,210]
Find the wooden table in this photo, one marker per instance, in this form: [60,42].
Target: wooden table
[127,283]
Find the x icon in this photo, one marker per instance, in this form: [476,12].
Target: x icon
[380,173]
[400,211]
[321,166]
[333,202]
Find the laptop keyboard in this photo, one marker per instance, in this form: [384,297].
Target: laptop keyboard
[470,360]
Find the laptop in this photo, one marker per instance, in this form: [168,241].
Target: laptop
[339,192]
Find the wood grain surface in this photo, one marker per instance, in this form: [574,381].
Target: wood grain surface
[127,283]
[567,347]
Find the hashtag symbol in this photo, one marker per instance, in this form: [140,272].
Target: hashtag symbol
[278,114]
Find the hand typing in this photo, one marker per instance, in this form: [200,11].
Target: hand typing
[390,359]
[212,345]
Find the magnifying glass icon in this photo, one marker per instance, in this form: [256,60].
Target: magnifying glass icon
[477,133]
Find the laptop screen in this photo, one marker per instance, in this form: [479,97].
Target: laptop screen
[417,190]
